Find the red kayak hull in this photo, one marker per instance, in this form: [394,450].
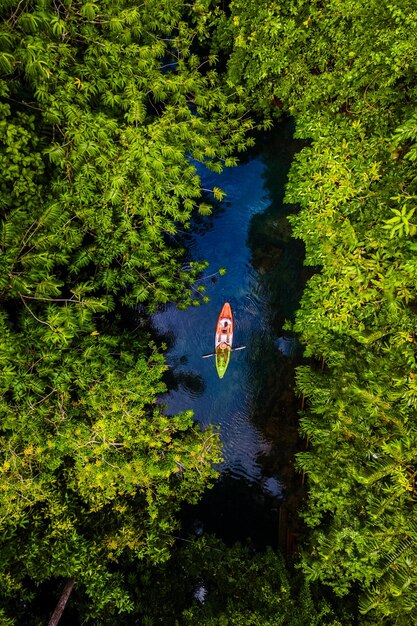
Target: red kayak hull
[223,339]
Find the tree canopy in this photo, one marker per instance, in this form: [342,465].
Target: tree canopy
[105,109]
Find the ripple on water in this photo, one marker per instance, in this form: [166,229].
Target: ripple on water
[230,402]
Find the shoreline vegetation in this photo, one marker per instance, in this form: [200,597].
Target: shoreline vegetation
[102,104]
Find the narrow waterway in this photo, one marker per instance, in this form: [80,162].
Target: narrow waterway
[254,404]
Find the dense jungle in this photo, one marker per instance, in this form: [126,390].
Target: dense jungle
[108,112]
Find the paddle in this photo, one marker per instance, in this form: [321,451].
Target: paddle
[206,356]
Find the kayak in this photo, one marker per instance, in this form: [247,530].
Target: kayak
[224,339]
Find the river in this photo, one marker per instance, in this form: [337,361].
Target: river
[254,404]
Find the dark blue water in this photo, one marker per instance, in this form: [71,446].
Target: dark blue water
[249,236]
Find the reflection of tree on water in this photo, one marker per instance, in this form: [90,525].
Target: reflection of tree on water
[235,509]
[278,260]
[201,224]
[175,377]
[275,413]
[189,381]
[255,404]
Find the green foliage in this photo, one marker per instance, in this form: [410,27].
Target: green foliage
[92,472]
[250,590]
[104,110]
[335,55]
[99,174]
[345,71]
[400,224]
[207,583]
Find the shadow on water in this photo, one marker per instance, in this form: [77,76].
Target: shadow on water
[236,510]
[192,384]
[278,259]
[254,404]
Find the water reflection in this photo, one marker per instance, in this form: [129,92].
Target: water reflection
[254,403]
[180,380]
[236,510]
[229,402]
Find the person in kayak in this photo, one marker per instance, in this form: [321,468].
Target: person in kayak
[225,330]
